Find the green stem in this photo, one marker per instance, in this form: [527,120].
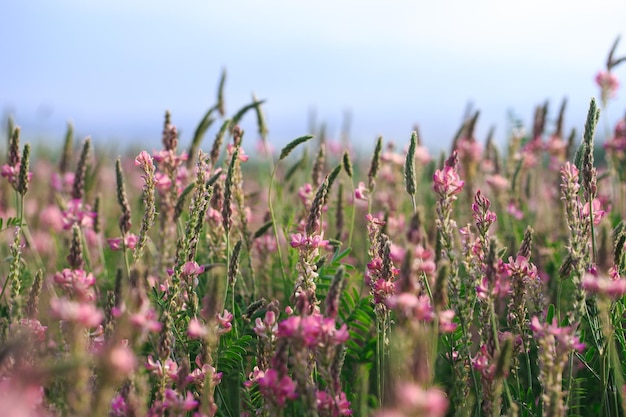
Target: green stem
[494,328]
[353,214]
[275,229]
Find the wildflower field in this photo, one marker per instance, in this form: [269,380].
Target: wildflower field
[196,281]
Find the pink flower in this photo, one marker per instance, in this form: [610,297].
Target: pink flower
[78,213]
[169,368]
[31,326]
[514,210]
[596,207]
[267,325]
[12,174]
[162,181]
[145,161]
[361,192]
[77,283]
[192,268]
[414,400]
[447,183]
[608,83]
[225,322]
[338,406]
[51,217]
[82,313]
[123,360]
[21,398]
[130,241]
[382,289]
[469,150]
[612,288]
[196,330]
[497,182]
[146,319]
[242,154]
[118,406]
[446,321]
[177,402]
[276,390]
[198,374]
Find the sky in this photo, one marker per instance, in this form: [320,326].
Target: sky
[113,67]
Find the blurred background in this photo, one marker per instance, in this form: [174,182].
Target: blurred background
[113,67]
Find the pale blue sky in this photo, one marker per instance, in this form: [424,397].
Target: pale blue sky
[114,66]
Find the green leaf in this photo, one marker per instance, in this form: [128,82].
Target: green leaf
[550,314]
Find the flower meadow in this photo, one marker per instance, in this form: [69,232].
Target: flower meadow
[198,281]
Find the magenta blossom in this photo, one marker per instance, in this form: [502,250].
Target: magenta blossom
[337,406]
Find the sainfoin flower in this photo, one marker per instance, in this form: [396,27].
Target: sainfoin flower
[78,312]
[196,330]
[607,286]
[275,389]
[129,242]
[447,182]
[78,283]
[123,359]
[413,400]
[145,161]
[335,406]
[312,330]
[608,83]
[595,209]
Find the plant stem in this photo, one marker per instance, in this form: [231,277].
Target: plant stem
[275,229]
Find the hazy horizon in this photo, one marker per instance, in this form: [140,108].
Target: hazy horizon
[114,68]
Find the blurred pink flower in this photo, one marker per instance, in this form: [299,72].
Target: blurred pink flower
[275,389]
[446,321]
[51,217]
[337,406]
[361,192]
[195,329]
[608,83]
[82,313]
[611,287]
[78,213]
[414,400]
[130,240]
[123,359]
